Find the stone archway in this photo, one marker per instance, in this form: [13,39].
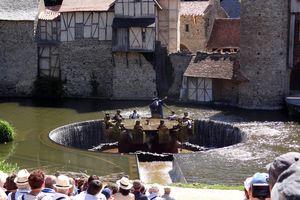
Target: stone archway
[295,78]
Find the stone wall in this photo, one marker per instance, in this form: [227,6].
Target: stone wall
[18,58]
[180,62]
[87,67]
[225,92]
[264,39]
[196,38]
[133,77]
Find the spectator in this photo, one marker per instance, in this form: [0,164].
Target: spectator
[3,177]
[280,164]
[73,190]
[36,182]
[287,186]
[154,193]
[167,196]
[247,185]
[114,188]
[10,184]
[137,185]
[49,188]
[107,193]
[62,188]
[92,192]
[259,187]
[2,194]
[22,183]
[81,184]
[124,190]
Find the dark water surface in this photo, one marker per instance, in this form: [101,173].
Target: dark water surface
[269,134]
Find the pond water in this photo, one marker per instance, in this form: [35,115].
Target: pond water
[269,134]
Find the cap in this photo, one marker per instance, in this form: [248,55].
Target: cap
[107,192]
[260,178]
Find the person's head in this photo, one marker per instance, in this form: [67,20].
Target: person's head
[167,190]
[50,180]
[259,187]
[154,189]
[162,122]
[92,178]
[107,116]
[81,184]
[118,111]
[36,180]
[136,185]
[114,188]
[173,113]
[10,184]
[186,114]
[94,187]
[280,164]
[124,186]
[134,111]
[137,122]
[3,177]
[287,186]
[247,185]
[22,179]
[106,192]
[143,189]
[62,184]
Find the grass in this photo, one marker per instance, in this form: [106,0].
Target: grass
[7,132]
[206,186]
[8,168]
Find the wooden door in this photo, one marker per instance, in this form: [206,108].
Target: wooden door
[200,89]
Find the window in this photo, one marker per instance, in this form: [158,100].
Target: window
[143,35]
[187,28]
[78,30]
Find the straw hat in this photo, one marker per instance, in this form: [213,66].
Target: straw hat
[62,182]
[124,183]
[22,177]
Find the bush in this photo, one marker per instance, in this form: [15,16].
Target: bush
[48,87]
[6,132]
[8,168]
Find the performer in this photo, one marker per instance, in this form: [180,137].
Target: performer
[156,108]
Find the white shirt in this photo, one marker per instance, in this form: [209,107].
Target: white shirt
[86,196]
[18,193]
[40,196]
[60,195]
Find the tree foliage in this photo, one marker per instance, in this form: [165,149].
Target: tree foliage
[6,132]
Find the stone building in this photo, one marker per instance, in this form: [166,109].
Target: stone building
[196,21]
[264,53]
[17,47]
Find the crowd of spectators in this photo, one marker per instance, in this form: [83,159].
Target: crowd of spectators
[282,182]
[38,186]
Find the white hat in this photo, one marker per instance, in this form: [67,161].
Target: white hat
[124,183]
[22,177]
[63,182]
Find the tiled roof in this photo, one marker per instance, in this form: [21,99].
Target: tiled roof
[18,10]
[193,7]
[215,66]
[50,13]
[86,5]
[225,34]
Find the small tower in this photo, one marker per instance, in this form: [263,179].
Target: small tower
[263,53]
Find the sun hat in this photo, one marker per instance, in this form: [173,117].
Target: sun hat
[288,184]
[22,177]
[280,164]
[124,183]
[62,182]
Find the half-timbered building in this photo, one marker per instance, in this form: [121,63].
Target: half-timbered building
[212,77]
